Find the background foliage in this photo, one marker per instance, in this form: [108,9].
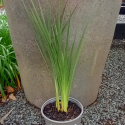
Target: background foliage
[1,2]
[8,64]
[4,30]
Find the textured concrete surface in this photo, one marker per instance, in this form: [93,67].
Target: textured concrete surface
[36,78]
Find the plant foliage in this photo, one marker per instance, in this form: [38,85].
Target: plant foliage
[49,34]
[4,30]
[1,2]
[8,68]
[8,64]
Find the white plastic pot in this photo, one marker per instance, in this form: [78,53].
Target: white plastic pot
[76,121]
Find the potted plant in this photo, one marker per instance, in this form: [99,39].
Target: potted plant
[62,61]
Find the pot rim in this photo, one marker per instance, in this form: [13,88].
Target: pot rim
[71,99]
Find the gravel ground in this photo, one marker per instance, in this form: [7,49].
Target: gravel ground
[121,19]
[109,108]
[23,114]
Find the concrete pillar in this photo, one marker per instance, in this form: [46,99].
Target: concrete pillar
[36,78]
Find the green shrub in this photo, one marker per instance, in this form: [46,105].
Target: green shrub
[8,63]
[1,2]
[8,67]
[4,30]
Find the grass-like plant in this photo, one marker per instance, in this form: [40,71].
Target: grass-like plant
[49,34]
[1,2]
[4,30]
[8,68]
[8,65]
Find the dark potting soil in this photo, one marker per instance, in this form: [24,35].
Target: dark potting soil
[51,112]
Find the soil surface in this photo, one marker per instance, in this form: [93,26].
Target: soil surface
[51,112]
